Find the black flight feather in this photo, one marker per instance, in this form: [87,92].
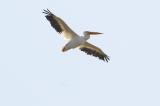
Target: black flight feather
[95,53]
[52,19]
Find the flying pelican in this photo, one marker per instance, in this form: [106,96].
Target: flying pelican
[75,40]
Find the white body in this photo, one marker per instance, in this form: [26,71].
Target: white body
[75,42]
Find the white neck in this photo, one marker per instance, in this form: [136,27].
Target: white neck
[86,37]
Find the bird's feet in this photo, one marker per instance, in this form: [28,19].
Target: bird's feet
[64,49]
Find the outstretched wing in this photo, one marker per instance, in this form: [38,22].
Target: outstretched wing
[59,25]
[94,51]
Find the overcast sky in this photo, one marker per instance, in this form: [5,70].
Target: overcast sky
[34,71]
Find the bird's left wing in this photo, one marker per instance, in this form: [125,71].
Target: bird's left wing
[94,51]
[59,25]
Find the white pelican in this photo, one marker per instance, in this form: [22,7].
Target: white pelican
[75,40]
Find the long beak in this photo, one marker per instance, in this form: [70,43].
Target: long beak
[95,33]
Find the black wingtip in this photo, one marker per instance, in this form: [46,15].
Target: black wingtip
[106,58]
[52,19]
[47,12]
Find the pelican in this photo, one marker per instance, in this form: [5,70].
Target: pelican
[74,40]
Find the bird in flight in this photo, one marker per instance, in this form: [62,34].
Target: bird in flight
[74,40]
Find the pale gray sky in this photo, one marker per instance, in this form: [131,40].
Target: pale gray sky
[34,71]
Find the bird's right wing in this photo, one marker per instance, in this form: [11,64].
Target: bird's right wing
[59,25]
[94,51]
